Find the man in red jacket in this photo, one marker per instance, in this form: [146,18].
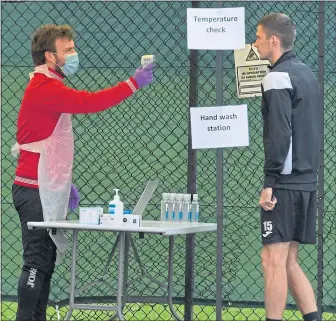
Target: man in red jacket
[42,189]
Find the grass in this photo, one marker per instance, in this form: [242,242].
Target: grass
[160,312]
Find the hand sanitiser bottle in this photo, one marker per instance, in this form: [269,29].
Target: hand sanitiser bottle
[194,208]
[164,207]
[116,208]
[172,207]
[180,203]
[187,208]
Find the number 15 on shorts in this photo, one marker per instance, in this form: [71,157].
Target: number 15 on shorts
[268,227]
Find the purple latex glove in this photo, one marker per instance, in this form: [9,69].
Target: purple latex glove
[74,198]
[144,75]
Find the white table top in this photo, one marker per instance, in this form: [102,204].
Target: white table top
[154,227]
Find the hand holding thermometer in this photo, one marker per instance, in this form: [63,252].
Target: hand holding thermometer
[144,75]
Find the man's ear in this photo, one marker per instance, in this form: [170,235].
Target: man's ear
[273,40]
[49,56]
[276,39]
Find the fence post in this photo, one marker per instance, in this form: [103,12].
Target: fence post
[320,203]
[191,186]
[219,188]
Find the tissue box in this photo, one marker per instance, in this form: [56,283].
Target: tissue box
[90,215]
[131,220]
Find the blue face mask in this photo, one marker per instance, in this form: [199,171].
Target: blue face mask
[71,64]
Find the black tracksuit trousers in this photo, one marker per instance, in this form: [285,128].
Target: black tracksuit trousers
[39,256]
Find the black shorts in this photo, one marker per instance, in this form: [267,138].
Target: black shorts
[292,219]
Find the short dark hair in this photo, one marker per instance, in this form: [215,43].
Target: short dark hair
[280,25]
[44,40]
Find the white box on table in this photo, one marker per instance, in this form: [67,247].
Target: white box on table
[90,215]
[128,220]
[131,220]
[107,219]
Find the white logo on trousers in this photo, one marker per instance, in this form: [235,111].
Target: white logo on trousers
[32,277]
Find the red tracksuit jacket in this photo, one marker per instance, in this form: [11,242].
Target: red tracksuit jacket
[44,100]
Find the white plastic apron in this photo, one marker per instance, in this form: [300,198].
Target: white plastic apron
[54,172]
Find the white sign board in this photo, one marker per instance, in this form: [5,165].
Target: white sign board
[216,28]
[217,127]
[250,71]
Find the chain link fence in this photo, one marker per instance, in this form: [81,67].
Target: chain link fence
[146,138]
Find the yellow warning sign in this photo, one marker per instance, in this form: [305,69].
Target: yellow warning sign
[250,71]
[252,55]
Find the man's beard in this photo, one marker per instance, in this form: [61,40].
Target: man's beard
[58,68]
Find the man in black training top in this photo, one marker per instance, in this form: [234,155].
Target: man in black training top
[291,111]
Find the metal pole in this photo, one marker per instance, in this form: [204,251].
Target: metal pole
[219,188]
[321,167]
[191,186]
[219,192]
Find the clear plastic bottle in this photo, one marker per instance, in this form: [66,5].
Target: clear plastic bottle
[164,207]
[187,208]
[180,203]
[194,208]
[172,207]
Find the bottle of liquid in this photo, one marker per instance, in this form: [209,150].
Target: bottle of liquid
[187,208]
[164,207]
[172,207]
[180,203]
[116,208]
[195,208]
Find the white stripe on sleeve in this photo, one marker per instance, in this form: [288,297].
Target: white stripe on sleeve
[277,80]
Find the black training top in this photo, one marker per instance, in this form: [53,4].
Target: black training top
[291,110]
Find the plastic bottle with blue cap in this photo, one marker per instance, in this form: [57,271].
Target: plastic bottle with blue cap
[116,208]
